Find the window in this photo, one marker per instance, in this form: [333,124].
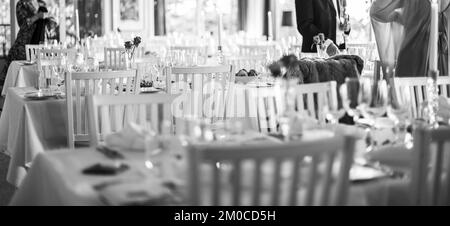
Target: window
[5,29]
[359,11]
[186,16]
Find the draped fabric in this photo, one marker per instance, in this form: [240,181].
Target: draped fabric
[160,17]
[402,32]
[265,18]
[242,14]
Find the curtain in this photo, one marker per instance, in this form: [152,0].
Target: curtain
[160,17]
[242,15]
[267,8]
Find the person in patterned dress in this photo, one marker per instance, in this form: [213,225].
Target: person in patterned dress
[27,15]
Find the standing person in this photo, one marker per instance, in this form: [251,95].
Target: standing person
[27,15]
[402,32]
[40,30]
[319,16]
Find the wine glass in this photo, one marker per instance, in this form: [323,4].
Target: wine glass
[349,93]
[332,112]
[399,111]
[374,101]
[157,146]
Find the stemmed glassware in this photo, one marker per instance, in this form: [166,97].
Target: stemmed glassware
[399,111]
[157,146]
[374,100]
[59,72]
[332,112]
[349,93]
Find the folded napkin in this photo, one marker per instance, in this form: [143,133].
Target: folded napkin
[145,193]
[444,109]
[394,156]
[132,137]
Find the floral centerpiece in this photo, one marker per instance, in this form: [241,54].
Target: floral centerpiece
[130,48]
[325,47]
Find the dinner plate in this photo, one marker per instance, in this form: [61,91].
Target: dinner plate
[150,90]
[359,174]
[28,62]
[39,96]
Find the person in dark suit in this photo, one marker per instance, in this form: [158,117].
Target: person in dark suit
[319,16]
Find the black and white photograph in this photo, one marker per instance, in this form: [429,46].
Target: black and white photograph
[224,103]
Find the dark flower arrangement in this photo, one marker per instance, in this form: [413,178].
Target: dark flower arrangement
[130,46]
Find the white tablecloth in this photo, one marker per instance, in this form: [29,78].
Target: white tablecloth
[55,179]
[28,128]
[20,75]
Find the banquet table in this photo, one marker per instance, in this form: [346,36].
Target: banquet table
[56,179]
[21,74]
[28,128]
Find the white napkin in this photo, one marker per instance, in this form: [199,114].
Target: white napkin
[444,109]
[148,193]
[132,137]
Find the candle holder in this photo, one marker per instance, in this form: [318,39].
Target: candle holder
[220,56]
[433,99]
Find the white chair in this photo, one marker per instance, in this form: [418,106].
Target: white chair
[205,90]
[70,54]
[81,85]
[257,62]
[416,88]
[116,58]
[266,104]
[110,114]
[312,99]
[191,50]
[257,50]
[32,51]
[315,163]
[262,108]
[430,182]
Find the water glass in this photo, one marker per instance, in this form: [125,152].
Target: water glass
[349,93]
[399,111]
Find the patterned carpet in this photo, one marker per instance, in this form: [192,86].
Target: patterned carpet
[6,190]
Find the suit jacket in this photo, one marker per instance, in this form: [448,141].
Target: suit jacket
[314,17]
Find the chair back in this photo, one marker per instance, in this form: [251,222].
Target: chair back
[313,98]
[204,89]
[47,54]
[257,50]
[116,58]
[266,104]
[110,114]
[430,184]
[416,89]
[248,63]
[262,108]
[305,173]
[79,85]
[191,50]
[32,51]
